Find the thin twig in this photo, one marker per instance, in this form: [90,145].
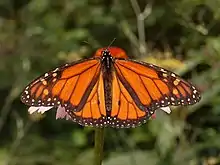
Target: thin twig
[125,27]
[8,102]
[141,16]
[188,23]
[21,132]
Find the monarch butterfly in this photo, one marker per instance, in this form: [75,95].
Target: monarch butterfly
[108,90]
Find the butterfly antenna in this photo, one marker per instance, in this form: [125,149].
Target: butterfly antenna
[111,43]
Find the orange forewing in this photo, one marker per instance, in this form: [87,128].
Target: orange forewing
[152,87]
[61,86]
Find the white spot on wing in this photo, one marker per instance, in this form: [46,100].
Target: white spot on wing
[163,70]
[55,69]
[173,75]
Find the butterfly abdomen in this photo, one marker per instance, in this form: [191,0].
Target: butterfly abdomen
[107,80]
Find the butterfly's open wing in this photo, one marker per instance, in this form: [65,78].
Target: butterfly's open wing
[93,113]
[125,113]
[74,87]
[152,87]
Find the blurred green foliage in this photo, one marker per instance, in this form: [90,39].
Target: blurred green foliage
[181,35]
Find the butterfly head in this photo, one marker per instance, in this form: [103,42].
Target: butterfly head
[111,51]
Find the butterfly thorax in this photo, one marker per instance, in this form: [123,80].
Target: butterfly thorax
[107,59]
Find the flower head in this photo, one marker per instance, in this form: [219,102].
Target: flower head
[61,113]
[165,109]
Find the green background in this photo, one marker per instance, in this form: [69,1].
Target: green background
[180,35]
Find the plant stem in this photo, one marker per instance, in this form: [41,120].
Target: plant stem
[99,143]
